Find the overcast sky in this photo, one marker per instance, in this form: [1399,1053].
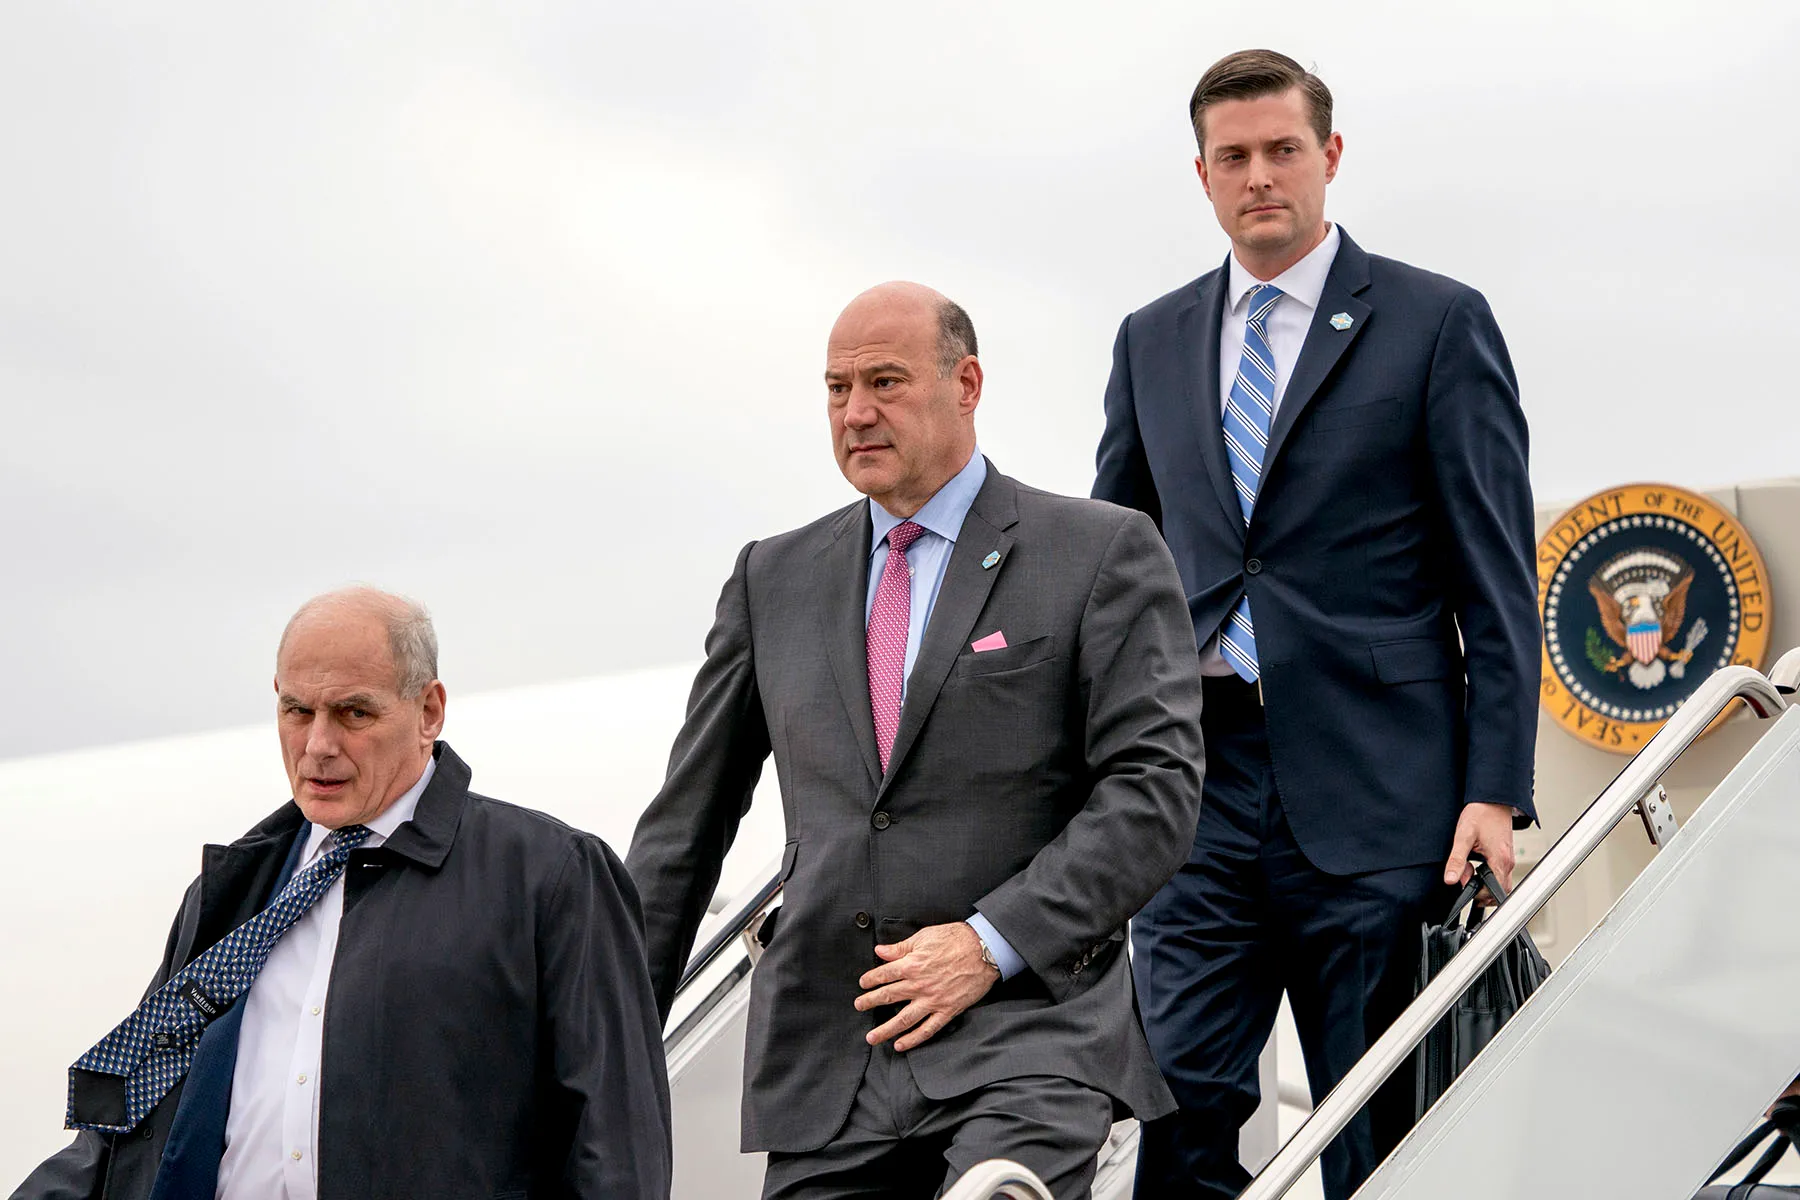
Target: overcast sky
[521,308]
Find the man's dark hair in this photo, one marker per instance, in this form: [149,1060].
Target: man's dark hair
[956,337]
[1251,75]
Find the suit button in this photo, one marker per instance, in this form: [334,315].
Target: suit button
[1254,566]
[863,921]
[882,820]
[1076,969]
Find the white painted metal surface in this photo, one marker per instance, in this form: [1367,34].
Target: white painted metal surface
[705,1047]
[706,1070]
[999,1179]
[1393,1049]
[1786,671]
[1669,1028]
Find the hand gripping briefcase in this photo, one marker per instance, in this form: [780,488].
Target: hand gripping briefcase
[1784,1125]
[1488,1003]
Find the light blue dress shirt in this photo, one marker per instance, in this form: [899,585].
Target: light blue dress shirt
[928,556]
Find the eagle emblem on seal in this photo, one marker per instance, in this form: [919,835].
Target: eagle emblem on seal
[1642,598]
[1645,590]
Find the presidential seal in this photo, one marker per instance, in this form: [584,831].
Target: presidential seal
[1645,590]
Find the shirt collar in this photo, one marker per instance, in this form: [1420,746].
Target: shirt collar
[1304,281]
[943,514]
[382,827]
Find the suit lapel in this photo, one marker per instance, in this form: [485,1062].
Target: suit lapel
[841,584]
[1197,329]
[964,594]
[1325,345]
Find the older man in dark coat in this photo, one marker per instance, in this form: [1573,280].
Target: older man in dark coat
[391,987]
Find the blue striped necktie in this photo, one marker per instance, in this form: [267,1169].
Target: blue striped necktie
[1249,411]
[151,1049]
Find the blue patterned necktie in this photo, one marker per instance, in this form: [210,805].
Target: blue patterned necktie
[151,1049]
[1249,411]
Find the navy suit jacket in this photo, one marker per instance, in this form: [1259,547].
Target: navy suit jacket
[1388,559]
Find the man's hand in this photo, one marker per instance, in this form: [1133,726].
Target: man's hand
[938,971]
[1487,830]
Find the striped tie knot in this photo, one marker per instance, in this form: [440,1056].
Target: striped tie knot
[1262,299]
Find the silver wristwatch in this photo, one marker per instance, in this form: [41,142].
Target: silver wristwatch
[987,956]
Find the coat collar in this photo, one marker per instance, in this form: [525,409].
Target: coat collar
[235,880]
[426,839]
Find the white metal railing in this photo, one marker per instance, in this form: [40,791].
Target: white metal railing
[999,1179]
[1634,784]
[1785,674]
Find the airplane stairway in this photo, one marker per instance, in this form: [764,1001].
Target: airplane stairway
[1628,1074]
[1643,1058]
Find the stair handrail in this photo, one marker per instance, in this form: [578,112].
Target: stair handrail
[999,1178]
[1785,674]
[759,902]
[1394,1048]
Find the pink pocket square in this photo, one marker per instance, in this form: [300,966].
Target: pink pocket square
[993,641]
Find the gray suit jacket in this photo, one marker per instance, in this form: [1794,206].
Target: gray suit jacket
[1055,784]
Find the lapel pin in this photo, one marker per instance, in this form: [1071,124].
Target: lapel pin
[1341,321]
[988,563]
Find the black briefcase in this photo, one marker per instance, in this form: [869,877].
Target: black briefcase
[1783,1126]
[1489,1002]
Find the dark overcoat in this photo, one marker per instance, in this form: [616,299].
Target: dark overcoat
[490,1029]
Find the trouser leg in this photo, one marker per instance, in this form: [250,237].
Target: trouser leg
[1352,952]
[1054,1126]
[1206,984]
[872,1157]
[898,1144]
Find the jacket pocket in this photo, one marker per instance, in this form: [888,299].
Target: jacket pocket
[1012,658]
[1410,660]
[1346,416]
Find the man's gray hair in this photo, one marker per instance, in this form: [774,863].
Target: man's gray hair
[412,639]
[956,337]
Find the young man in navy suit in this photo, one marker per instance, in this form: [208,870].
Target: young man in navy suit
[1333,447]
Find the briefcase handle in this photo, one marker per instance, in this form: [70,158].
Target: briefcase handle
[1484,877]
[1784,1119]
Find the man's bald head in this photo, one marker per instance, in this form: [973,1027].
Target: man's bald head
[903,383]
[358,702]
[955,331]
[412,639]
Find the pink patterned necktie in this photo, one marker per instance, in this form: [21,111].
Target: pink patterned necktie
[889,620]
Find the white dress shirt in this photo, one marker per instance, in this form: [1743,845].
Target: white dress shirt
[272,1131]
[1286,325]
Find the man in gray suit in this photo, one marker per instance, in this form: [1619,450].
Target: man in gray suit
[985,719]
